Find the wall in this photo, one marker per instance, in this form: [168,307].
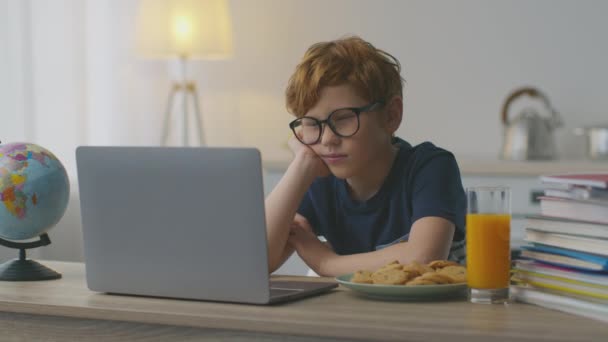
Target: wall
[460,60]
[69,75]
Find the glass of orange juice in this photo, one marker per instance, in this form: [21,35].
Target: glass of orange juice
[488,229]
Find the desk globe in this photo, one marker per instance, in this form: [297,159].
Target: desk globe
[34,193]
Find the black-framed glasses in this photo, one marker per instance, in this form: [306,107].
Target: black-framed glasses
[344,122]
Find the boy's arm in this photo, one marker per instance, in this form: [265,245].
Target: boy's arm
[430,239]
[281,206]
[282,203]
[289,249]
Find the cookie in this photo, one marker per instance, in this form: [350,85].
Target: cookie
[458,273]
[417,269]
[391,265]
[431,279]
[438,264]
[420,281]
[390,277]
[363,277]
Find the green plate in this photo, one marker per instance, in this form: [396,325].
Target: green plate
[404,292]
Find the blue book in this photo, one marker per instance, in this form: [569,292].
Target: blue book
[565,257]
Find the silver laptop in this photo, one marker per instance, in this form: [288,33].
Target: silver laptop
[180,223]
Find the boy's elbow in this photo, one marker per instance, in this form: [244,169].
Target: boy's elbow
[273,265]
[272,268]
[433,253]
[277,260]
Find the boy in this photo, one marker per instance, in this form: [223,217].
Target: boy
[373,196]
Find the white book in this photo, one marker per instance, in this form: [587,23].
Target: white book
[590,309]
[577,243]
[566,226]
[597,180]
[578,193]
[588,210]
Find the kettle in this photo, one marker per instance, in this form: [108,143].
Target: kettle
[529,136]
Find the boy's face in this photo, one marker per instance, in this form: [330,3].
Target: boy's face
[348,157]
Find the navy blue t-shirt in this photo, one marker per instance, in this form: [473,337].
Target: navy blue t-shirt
[423,181]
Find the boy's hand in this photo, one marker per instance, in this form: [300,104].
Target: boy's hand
[308,246]
[309,157]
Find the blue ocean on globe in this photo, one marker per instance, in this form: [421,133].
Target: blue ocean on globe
[34,191]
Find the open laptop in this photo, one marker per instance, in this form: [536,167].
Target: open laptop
[178,222]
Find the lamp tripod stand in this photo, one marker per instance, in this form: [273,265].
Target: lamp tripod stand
[187,91]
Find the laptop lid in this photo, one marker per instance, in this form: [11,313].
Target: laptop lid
[174,222]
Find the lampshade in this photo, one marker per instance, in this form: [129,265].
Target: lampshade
[184,28]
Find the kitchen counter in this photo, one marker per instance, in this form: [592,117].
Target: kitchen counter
[487,167]
[528,168]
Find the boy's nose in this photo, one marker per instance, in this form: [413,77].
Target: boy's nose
[328,137]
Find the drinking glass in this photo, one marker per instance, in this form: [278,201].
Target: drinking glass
[488,228]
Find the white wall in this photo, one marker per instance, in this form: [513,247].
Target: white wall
[69,75]
[460,60]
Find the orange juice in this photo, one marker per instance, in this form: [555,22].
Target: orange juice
[488,250]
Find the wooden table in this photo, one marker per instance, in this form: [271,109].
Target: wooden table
[65,310]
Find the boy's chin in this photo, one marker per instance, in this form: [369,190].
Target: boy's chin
[340,172]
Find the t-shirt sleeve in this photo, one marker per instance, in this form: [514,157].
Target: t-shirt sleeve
[438,191]
[307,210]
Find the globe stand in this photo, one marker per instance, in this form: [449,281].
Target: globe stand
[26,270]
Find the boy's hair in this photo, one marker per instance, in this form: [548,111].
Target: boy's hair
[375,74]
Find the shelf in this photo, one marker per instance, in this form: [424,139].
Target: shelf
[496,167]
[528,168]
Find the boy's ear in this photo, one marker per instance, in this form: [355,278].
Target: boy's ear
[394,114]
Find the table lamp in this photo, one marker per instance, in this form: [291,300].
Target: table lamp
[184,30]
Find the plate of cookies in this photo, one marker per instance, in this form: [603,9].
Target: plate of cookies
[439,279]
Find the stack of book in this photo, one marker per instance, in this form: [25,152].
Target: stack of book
[564,265]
